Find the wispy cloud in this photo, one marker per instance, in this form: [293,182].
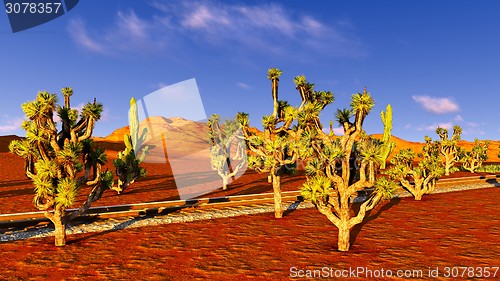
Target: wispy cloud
[78,32]
[433,127]
[243,86]
[261,27]
[128,34]
[338,131]
[10,125]
[437,105]
[468,128]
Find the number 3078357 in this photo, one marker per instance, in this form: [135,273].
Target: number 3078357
[32,8]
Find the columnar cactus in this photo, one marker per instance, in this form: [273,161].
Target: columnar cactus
[127,164]
[425,174]
[221,140]
[60,162]
[387,144]
[338,167]
[473,159]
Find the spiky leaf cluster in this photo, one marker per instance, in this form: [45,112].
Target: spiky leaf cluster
[317,190]
[387,188]
[473,159]
[55,157]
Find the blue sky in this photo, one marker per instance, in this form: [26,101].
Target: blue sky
[436,62]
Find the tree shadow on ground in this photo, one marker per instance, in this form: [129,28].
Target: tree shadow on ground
[369,217]
[293,206]
[125,224]
[493,182]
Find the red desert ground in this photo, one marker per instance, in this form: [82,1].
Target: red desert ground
[443,231]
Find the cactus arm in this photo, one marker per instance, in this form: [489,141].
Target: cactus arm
[134,122]
[387,144]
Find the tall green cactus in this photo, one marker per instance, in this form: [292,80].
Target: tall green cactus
[134,141]
[387,145]
[127,164]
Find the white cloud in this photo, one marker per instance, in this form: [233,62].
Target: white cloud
[459,118]
[79,34]
[437,105]
[243,86]
[131,25]
[261,27]
[10,125]
[433,127]
[473,132]
[204,17]
[472,124]
[128,34]
[338,131]
[106,114]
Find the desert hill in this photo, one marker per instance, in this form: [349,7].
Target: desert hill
[493,149]
[182,132]
[184,136]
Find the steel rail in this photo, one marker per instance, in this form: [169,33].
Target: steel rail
[9,221]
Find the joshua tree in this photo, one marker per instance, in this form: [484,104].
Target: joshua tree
[127,164]
[471,160]
[221,140]
[449,147]
[425,174]
[339,167]
[276,148]
[387,144]
[60,163]
[270,149]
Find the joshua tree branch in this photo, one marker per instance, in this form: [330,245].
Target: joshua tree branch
[94,195]
[40,205]
[88,130]
[97,175]
[327,211]
[365,207]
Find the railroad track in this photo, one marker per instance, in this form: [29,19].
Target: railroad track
[20,221]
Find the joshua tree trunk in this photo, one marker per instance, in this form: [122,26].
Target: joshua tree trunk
[278,211]
[344,237]
[60,233]
[57,218]
[418,195]
[447,167]
[275,96]
[224,182]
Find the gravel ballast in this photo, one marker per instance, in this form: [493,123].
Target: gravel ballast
[189,216]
